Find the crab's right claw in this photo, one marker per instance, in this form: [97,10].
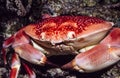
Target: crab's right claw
[31,54]
[103,55]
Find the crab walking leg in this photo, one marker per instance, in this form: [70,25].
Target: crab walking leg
[103,55]
[15,66]
[6,44]
[4,55]
[29,71]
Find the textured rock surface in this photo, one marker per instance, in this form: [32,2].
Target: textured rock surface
[15,14]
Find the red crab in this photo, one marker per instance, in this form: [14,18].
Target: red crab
[65,35]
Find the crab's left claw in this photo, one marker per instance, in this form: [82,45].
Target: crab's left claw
[29,53]
[103,55]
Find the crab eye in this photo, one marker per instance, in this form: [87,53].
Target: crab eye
[71,35]
[43,35]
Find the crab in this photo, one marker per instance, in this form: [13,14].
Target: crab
[94,41]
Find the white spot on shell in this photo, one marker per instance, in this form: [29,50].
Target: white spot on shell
[71,35]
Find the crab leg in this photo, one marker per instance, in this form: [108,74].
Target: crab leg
[103,55]
[29,71]
[15,66]
[6,44]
